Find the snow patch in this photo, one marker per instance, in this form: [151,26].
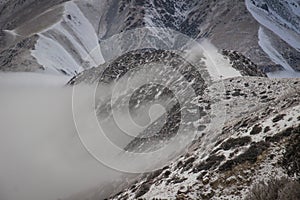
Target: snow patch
[273,21]
[276,57]
[54,56]
[218,67]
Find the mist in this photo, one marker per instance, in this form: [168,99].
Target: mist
[41,154]
[43,148]
[51,145]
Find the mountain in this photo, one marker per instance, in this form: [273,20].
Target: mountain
[198,99]
[255,144]
[47,38]
[245,125]
[75,29]
[279,31]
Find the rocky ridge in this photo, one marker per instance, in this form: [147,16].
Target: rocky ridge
[253,146]
[243,64]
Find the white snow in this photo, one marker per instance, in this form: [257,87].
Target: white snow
[55,56]
[84,31]
[11,32]
[276,57]
[295,6]
[218,66]
[275,23]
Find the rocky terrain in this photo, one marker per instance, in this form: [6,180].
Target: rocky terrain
[262,120]
[258,116]
[245,27]
[244,64]
[213,65]
[197,74]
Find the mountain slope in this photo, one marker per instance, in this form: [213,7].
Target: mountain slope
[77,30]
[64,41]
[249,149]
[279,33]
[205,62]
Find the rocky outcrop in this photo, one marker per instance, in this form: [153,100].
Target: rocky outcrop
[18,57]
[243,64]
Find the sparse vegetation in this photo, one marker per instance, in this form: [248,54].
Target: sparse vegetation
[291,158]
[144,188]
[267,129]
[278,118]
[232,143]
[275,189]
[256,130]
[250,156]
[209,163]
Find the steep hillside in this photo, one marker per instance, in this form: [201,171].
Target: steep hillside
[244,128]
[261,122]
[185,94]
[279,33]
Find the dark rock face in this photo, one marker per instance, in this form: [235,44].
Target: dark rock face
[243,64]
[220,21]
[278,118]
[256,130]
[15,49]
[15,13]
[291,158]
[228,25]
[143,190]
[232,143]
[283,134]
[250,155]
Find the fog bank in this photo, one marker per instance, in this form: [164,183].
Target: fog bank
[40,151]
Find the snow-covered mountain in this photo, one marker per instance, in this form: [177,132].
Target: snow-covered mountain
[209,64]
[60,39]
[258,117]
[279,32]
[282,18]
[268,34]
